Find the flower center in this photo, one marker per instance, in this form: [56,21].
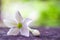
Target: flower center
[19,25]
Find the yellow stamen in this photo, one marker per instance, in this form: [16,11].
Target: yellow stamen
[19,25]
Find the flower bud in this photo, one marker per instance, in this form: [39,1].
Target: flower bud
[35,32]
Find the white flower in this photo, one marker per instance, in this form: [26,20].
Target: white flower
[18,25]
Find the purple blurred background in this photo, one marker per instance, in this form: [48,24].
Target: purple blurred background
[1,24]
[0,10]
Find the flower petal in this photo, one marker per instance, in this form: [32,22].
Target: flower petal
[19,17]
[9,23]
[13,31]
[24,32]
[27,21]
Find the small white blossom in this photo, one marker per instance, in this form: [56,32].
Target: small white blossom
[19,25]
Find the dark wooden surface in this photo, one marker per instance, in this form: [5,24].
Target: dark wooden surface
[46,34]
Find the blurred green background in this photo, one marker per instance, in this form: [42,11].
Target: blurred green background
[42,12]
